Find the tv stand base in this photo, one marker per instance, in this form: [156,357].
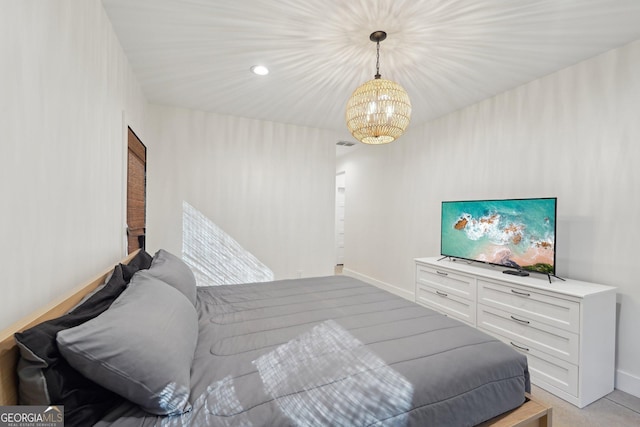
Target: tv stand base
[523,273]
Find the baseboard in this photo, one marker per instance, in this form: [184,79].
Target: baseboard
[628,383]
[382,285]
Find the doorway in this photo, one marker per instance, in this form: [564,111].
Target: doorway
[340,199]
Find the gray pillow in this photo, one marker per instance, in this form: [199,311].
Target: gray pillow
[141,347]
[172,270]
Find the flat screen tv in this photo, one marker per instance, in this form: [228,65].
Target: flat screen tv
[515,233]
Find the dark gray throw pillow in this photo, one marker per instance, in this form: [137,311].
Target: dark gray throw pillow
[142,261]
[141,348]
[45,377]
[173,271]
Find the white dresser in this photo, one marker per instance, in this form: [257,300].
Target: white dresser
[566,329]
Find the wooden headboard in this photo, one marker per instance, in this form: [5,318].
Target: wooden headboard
[9,349]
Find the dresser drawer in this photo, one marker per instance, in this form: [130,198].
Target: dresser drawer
[555,372]
[531,333]
[446,281]
[449,304]
[545,369]
[519,301]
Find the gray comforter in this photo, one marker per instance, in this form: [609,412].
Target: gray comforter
[334,351]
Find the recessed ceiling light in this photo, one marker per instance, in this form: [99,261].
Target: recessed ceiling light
[260,70]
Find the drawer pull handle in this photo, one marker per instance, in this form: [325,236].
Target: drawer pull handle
[442,273]
[524,294]
[442,294]
[520,320]
[520,347]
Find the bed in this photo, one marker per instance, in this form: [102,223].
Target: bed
[315,351]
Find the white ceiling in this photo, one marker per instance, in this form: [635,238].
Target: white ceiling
[447,54]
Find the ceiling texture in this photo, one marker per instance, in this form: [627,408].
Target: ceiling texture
[447,54]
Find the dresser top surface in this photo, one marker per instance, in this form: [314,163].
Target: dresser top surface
[570,287]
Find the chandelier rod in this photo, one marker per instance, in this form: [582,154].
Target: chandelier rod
[377,76]
[378,36]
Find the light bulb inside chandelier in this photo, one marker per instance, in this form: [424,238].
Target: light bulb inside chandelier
[378,111]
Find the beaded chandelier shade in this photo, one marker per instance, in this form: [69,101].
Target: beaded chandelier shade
[378,111]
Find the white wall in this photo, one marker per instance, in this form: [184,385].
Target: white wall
[573,134]
[270,186]
[64,84]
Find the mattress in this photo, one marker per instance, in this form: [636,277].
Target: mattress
[337,351]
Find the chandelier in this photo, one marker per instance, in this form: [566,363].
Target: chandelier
[378,111]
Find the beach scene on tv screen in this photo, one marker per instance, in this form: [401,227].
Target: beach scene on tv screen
[513,233]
